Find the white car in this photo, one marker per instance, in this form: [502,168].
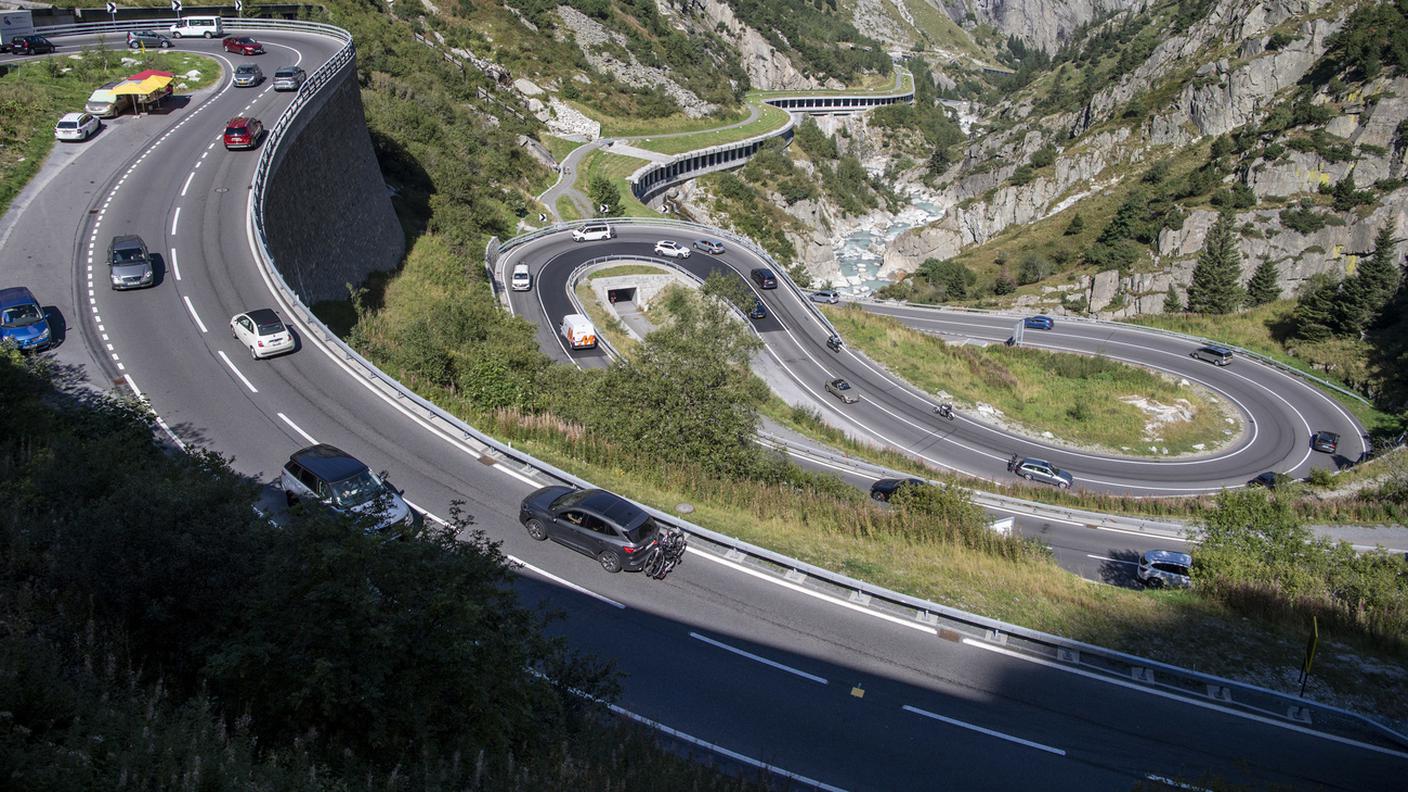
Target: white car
[668,247]
[76,126]
[592,233]
[262,332]
[522,280]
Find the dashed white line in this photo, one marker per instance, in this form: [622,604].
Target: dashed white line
[242,377]
[296,428]
[565,582]
[175,218]
[756,658]
[989,732]
[175,267]
[195,316]
[187,185]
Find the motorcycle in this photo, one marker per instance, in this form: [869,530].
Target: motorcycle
[834,343]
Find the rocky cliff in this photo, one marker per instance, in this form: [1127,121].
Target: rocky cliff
[1045,24]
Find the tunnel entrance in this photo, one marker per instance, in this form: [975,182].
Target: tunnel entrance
[623,294]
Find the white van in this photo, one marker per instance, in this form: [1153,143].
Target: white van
[579,331]
[592,233]
[195,26]
[521,280]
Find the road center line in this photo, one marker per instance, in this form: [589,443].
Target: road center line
[242,377]
[199,323]
[187,185]
[175,218]
[291,424]
[989,732]
[564,582]
[175,268]
[757,658]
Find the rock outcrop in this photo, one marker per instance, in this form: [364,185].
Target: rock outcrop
[767,68]
[602,49]
[1045,24]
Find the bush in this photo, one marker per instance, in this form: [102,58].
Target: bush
[1032,268]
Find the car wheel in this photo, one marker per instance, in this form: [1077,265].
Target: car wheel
[165,44]
[133,45]
[1153,582]
[208,34]
[1063,485]
[252,354]
[610,560]
[536,529]
[1027,476]
[877,495]
[176,33]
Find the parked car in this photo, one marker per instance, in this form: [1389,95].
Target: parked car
[1159,568]
[242,45]
[77,126]
[522,279]
[22,320]
[593,233]
[1269,479]
[842,390]
[103,103]
[289,78]
[885,488]
[710,246]
[129,263]
[671,248]
[1327,442]
[1038,322]
[330,476]
[764,278]
[826,296]
[594,522]
[31,45]
[147,38]
[262,332]
[1216,355]
[1033,469]
[248,75]
[758,311]
[243,133]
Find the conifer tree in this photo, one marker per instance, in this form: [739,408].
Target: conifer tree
[1373,285]
[1171,302]
[1264,285]
[1317,310]
[1216,286]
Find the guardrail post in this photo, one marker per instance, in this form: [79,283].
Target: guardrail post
[1220,692]
[1141,674]
[796,576]
[860,597]
[995,636]
[1066,655]
[1298,713]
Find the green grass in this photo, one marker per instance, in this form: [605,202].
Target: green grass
[559,147]
[612,126]
[873,84]
[627,269]
[769,118]
[33,96]
[616,167]
[567,210]
[1078,398]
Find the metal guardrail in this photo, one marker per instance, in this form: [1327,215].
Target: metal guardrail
[947,622]
[636,179]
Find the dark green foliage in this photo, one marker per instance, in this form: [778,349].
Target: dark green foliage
[1003,283]
[1264,285]
[1172,304]
[1043,156]
[1021,176]
[825,44]
[1156,173]
[1372,39]
[1034,267]
[1076,225]
[813,142]
[950,279]
[1316,315]
[1238,196]
[1347,195]
[1364,296]
[1216,286]
[604,192]
[1278,40]
[747,211]
[1302,219]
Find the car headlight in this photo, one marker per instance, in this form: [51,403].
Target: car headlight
[116,278]
[146,276]
[44,336]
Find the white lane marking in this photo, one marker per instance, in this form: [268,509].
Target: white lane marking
[1142,688]
[989,732]
[719,749]
[175,218]
[1111,560]
[242,377]
[295,427]
[787,584]
[1166,781]
[194,316]
[175,267]
[565,582]
[131,383]
[187,185]
[756,658]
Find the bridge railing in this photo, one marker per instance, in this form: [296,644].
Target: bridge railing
[944,621]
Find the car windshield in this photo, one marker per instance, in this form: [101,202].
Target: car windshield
[569,500]
[270,328]
[842,385]
[68,125]
[20,315]
[357,490]
[127,255]
[285,72]
[642,532]
[246,70]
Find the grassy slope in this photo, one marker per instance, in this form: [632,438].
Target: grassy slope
[1073,396]
[33,97]
[769,118]
[616,167]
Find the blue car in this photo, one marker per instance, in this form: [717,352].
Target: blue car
[22,321]
[1038,323]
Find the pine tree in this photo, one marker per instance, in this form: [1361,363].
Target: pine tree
[1216,287]
[1171,302]
[1264,285]
[1076,225]
[1317,309]
[1364,296]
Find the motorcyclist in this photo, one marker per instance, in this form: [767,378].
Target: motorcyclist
[944,410]
[834,343]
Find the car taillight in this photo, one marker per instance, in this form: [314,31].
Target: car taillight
[628,549]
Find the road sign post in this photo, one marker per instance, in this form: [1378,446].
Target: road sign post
[176,6]
[1016,339]
[112,12]
[1310,646]
[239,8]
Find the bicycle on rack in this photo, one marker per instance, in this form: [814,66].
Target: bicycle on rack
[667,553]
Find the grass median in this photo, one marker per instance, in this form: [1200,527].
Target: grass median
[616,167]
[1078,399]
[34,96]
[769,118]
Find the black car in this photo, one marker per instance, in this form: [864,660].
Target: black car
[759,311]
[764,278]
[30,45]
[594,522]
[884,489]
[1269,480]
[1327,442]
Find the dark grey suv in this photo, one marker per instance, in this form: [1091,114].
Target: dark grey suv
[607,527]
[328,475]
[129,263]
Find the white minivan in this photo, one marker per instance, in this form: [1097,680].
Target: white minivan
[592,233]
[196,26]
[521,280]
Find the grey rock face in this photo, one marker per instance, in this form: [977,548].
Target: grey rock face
[1040,23]
[595,42]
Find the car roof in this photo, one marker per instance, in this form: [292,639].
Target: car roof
[763,270]
[1326,433]
[16,295]
[238,121]
[247,67]
[263,316]
[328,463]
[286,70]
[127,241]
[1221,350]
[1169,556]
[72,116]
[613,507]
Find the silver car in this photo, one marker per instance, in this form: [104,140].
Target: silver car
[826,296]
[842,390]
[1159,568]
[129,263]
[289,78]
[1033,469]
[248,75]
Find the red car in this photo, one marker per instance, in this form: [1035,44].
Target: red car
[244,45]
[243,133]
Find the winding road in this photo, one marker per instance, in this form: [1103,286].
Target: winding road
[746,665]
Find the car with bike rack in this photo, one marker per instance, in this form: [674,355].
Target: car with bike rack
[616,532]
